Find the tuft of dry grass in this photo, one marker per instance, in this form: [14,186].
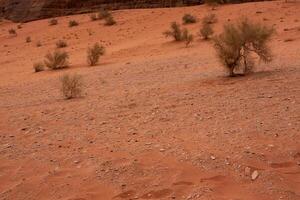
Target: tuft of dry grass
[61,44]
[109,21]
[206,31]
[53,22]
[209,19]
[175,32]
[189,19]
[12,32]
[57,60]
[73,23]
[94,53]
[71,85]
[38,67]
[187,37]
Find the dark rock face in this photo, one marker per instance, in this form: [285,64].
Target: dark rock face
[27,10]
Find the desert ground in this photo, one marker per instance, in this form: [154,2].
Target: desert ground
[157,120]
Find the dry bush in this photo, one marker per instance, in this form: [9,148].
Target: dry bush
[53,22]
[238,43]
[189,19]
[175,32]
[209,19]
[94,53]
[12,32]
[206,31]
[73,23]
[93,17]
[71,86]
[109,21]
[187,37]
[38,67]
[103,14]
[61,44]
[39,44]
[28,39]
[56,60]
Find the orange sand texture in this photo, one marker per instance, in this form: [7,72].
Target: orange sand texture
[157,120]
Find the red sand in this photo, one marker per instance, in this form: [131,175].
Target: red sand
[158,120]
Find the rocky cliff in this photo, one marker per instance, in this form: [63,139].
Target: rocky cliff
[27,10]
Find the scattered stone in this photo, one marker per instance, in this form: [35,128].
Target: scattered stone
[213,157]
[247,171]
[254,175]
[162,150]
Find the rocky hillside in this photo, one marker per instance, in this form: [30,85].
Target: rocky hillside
[28,10]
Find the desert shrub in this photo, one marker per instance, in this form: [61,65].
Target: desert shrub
[103,14]
[71,85]
[56,60]
[94,53]
[28,39]
[188,19]
[187,37]
[61,44]
[236,45]
[12,31]
[175,32]
[206,31]
[53,22]
[209,19]
[73,23]
[38,67]
[39,44]
[109,21]
[93,17]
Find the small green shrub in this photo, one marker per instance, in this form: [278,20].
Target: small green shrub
[57,60]
[206,31]
[73,23]
[175,32]
[209,19]
[71,86]
[109,21]
[94,53]
[38,67]
[61,44]
[12,32]
[187,37]
[189,19]
[53,22]
[93,17]
[103,14]
[236,45]
[39,44]
[28,39]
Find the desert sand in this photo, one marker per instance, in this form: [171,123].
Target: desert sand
[157,120]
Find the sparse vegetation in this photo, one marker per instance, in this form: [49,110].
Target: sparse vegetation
[103,14]
[238,42]
[209,19]
[73,23]
[71,85]
[187,37]
[12,32]
[61,44]
[109,21]
[93,17]
[56,60]
[28,39]
[189,19]
[206,31]
[53,22]
[39,44]
[94,53]
[175,32]
[38,67]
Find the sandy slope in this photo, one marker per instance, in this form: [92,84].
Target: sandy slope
[158,120]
